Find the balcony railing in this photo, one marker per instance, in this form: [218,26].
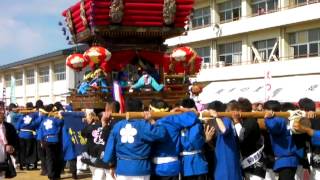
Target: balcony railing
[221,64]
[291,5]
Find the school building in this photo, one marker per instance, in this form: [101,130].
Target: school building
[243,41]
[44,77]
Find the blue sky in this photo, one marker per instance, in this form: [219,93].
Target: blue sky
[30,27]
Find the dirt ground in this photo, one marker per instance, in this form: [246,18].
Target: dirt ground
[35,175]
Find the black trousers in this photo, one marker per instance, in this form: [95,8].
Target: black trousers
[287,173]
[42,157]
[197,177]
[53,152]
[153,177]
[73,166]
[28,151]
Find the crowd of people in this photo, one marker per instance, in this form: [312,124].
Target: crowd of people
[174,147]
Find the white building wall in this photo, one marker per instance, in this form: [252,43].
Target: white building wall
[49,92]
[245,25]
[304,66]
[30,90]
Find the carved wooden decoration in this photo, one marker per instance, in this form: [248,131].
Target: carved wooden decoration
[169,11]
[83,14]
[69,22]
[116,11]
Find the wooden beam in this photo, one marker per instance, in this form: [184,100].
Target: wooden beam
[157,115]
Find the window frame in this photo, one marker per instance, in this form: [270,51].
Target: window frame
[30,79]
[297,45]
[229,10]
[201,18]
[18,82]
[266,5]
[7,82]
[201,51]
[226,53]
[266,49]
[59,75]
[44,77]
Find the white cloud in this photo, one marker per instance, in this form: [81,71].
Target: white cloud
[35,7]
[19,36]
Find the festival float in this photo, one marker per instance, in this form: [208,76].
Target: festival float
[126,39]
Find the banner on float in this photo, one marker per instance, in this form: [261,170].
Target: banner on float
[74,124]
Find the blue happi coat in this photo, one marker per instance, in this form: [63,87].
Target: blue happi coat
[129,146]
[72,124]
[192,141]
[227,157]
[50,129]
[315,139]
[284,148]
[27,125]
[41,117]
[171,146]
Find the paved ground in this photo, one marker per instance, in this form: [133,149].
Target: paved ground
[35,175]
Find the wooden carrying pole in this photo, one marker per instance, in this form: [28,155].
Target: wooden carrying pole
[157,115]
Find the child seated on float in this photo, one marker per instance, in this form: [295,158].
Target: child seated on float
[147,83]
[95,80]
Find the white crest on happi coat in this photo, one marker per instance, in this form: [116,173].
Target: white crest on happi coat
[127,134]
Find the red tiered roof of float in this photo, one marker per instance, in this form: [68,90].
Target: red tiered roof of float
[146,14]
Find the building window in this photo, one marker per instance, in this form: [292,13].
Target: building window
[204,52]
[230,53]
[18,79]
[59,72]
[30,76]
[305,43]
[264,6]
[230,11]
[294,3]
[264,48]
[201,17]
[44,74]
[7,80]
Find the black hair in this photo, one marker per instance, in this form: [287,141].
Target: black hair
[29,105]
[244,105]
[115,104]
[188,103]
[2,104]
[288,106]
[232,106]
[272,105]
[39,104]
[134,105]
[159,104]
[58,106]
[232,101]
[217,106]
[307,104]
[49,107]
[12,106]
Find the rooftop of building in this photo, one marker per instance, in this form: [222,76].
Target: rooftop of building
[44,57]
